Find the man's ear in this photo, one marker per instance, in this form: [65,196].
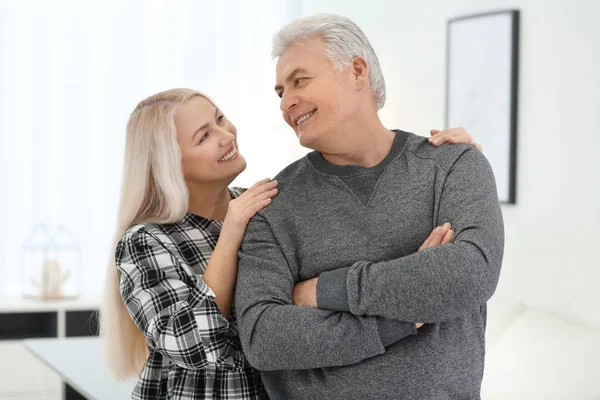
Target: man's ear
[360,70]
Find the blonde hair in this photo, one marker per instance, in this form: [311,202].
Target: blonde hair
[344,40]
[153,191]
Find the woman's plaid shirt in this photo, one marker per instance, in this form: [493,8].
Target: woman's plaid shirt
[195,352]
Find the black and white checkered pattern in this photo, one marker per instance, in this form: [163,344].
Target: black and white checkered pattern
[195,352]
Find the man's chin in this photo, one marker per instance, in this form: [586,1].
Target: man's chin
[306,140]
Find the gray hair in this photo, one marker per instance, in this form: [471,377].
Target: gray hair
[344,40]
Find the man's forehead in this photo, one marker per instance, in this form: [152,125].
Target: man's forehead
[287,70]
[288,64]
[285,67]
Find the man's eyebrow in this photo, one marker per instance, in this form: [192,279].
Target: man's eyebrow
[291,77]
[203,127]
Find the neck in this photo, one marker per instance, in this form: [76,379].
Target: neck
[209,200]
[364,142]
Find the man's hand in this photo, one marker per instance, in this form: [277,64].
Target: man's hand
[452,135]
[305,293]
[440,235]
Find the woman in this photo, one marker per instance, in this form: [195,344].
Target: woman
[168,316]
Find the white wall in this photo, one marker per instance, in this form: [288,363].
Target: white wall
[551,258]
[551,233]
[72,71]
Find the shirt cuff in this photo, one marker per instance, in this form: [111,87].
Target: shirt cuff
[391,331]
[332,290]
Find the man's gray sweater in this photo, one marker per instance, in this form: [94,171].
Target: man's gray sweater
[361,239]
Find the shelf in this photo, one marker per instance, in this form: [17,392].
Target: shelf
[22,305]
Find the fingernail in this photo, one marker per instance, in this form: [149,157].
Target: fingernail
[436,229]
[447,225]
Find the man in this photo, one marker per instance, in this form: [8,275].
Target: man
[342,238]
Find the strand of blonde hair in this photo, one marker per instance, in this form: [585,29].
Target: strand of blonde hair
[153,191]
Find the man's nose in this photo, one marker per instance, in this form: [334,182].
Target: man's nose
[288,101]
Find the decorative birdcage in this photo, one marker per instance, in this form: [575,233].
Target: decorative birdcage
[50,264]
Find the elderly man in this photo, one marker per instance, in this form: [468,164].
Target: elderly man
[332,286]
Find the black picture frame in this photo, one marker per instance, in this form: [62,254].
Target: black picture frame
[482,68]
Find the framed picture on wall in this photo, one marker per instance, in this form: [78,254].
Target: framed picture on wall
[482,87]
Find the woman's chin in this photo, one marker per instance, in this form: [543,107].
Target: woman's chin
[238,166]
[242,162]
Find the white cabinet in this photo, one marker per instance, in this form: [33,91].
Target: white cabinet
[22,375]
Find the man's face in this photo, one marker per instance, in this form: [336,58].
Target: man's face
[315,98]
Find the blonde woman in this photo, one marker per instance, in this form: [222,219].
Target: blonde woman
[168,317]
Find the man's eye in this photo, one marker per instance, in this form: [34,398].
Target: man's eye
[220,119]
[204,137]
[299,80]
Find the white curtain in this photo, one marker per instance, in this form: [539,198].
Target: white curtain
[71,72]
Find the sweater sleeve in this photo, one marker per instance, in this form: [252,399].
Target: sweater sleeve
[275,334]
[438,283]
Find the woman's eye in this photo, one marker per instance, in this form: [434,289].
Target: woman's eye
[299,80]
[220,119]
[204,137]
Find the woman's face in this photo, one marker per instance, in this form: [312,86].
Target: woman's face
[208,143]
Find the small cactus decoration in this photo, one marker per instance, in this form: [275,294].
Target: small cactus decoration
[50,262]
[52,280]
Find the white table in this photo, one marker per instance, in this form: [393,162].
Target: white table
[80,363]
